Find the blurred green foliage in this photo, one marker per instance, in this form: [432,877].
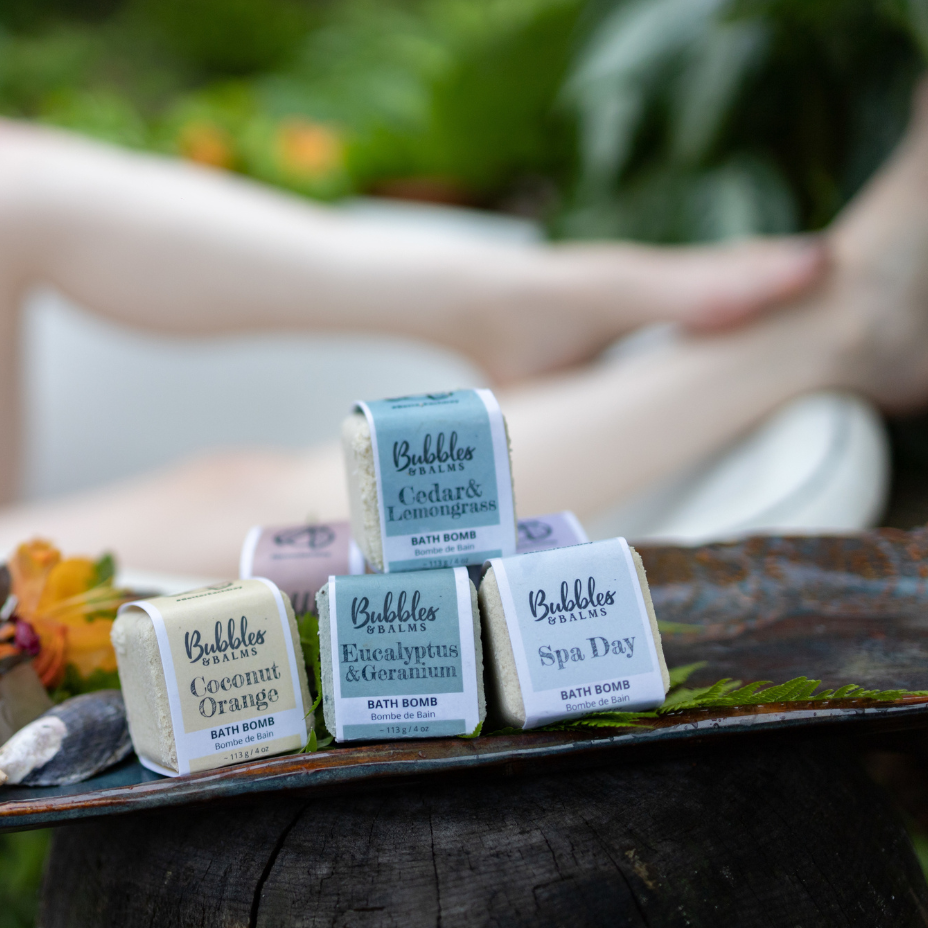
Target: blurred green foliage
[662,120]
[22,856]
[707,119]
[324,98]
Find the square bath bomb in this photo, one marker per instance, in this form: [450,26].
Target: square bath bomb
[401,655]
[299,559]
[212,677]
[430,481]
[570,632]
[555,530]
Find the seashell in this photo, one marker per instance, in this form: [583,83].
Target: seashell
[6,584]
[22,698]
[69,743]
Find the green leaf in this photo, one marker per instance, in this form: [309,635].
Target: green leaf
[708,85]
[315,742]
[308,625]
[845,691]
[678,628]
[726,694]
[475,733]
[620,70]
[730,694]
[604,720]
[679,675]
[73,684]
[105,569]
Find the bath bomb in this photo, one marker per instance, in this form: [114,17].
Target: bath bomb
[299,559]
[401,655]
[430,481]
[554,530]
[212,677]
[569,632]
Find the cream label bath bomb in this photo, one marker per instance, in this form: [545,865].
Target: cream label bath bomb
[401,655]
[299,559]
[430,481]
[572,631]
[555,530]
[212,677]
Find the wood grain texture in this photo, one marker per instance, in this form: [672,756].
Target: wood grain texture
[784,835]
[850,609]
[726,588]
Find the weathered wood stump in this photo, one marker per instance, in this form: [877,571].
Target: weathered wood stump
[770,834]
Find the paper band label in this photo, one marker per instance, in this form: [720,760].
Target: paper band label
[556,530]
[230,668]
[403,658]
[580,631]
[299,559]
[444,488]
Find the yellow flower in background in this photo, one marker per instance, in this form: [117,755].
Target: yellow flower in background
[70,609]
[67,578]
[207,143]
[72,598]
[308,150]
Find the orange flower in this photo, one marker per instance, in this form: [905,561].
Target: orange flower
[308,150]
[29,569]
[206,143]
[50,663]
[70,612]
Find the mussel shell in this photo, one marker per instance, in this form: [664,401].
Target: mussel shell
[97,737]
[6,584]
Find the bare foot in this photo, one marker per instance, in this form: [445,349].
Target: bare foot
[577,299]
[879,290]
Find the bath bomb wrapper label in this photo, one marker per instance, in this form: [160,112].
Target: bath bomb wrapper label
[234,681]
[299,559]
[580,632]
[403,655]
[556,530]
[444,486]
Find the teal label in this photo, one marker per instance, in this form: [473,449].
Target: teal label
[399,634]
[403,728]
[443,480]
[403,654]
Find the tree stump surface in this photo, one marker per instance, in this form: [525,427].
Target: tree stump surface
[767,834]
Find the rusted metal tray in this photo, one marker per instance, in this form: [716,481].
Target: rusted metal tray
[843,610]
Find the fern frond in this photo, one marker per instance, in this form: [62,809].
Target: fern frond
[604,720]
[475,733]
[731,694]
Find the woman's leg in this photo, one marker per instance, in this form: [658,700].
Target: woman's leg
[586,439]
[580,441]
[167,246]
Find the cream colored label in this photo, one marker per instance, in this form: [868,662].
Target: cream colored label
[230,666]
